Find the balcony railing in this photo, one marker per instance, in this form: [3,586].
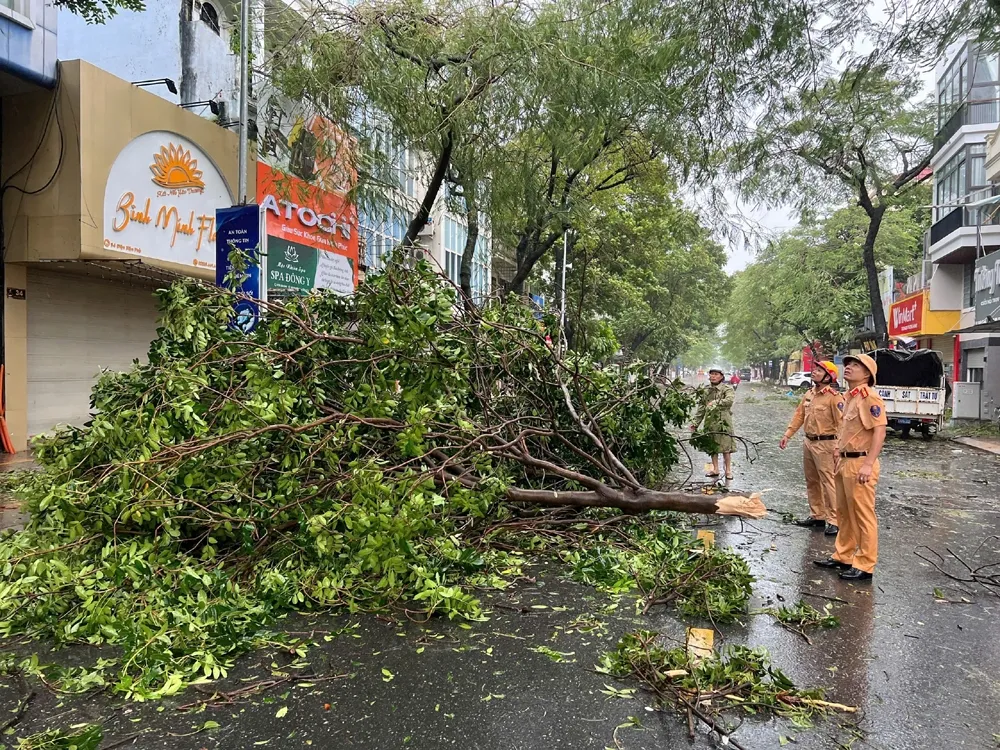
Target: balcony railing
[980,112]
[987,214]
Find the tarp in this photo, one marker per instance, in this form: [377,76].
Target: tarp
[921,368]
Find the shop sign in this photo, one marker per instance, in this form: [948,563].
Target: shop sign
[313,234]
[907,316]
[986,280]
[160,201]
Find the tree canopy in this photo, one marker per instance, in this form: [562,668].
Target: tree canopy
[808,286]
[857,135]
[646,269]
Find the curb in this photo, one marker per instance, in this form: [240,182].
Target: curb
[989,446]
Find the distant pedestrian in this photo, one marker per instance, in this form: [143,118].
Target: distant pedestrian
[714,418]
[820,411]
[859,445]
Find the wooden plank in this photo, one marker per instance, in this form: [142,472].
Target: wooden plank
[700,642]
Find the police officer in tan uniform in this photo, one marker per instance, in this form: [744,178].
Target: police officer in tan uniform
[858,446]
[820,411]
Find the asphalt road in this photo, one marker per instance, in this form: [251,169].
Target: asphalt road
[924,671]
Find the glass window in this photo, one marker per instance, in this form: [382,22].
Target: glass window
[18,6]
[986,68]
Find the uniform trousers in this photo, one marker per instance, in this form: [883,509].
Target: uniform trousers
[817,464]
[857,539]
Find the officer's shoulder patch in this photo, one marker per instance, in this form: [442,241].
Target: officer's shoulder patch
[863,392]
[840,405]
[876,411]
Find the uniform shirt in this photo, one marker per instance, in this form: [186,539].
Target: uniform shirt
[863,412]
[820,411]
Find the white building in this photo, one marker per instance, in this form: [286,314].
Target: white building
[965,225]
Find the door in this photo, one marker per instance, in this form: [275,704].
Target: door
[77,326]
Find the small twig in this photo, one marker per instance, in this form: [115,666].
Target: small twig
[16,718]
[130,738]
[828,598]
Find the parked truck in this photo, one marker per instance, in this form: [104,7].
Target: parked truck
[914,388]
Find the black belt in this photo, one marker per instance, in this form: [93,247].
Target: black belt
[821,437]
[853,454]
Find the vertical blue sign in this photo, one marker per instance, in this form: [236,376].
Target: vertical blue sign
[239,227]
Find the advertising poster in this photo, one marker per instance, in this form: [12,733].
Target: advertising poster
[313,234]
[239,227]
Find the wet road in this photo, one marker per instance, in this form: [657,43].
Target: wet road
[925,673]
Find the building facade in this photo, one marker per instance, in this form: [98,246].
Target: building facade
[125,157]
[965,226]
[118,200]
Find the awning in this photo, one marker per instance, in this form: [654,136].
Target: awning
[992,326]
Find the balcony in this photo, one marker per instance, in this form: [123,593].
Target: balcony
[976,112]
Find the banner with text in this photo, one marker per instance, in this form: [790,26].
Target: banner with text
[239,227]
[314,234]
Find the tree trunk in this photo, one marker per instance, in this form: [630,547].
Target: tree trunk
[875,215]
[469,252]
[646,500]
[423,213]
[534,249]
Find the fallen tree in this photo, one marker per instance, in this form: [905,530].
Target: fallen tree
[344,454]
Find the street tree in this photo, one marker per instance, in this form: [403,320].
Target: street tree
[545,106]
[857,135]
[807,286]
[645,267]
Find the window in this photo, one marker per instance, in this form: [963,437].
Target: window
[210,17]
[974,374]
[455,237]
[18,10]
[968,285]
[454,246]
[382,234]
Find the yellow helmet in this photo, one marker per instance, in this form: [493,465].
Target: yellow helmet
[830,367]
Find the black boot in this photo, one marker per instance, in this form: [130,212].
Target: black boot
[831,563]
[853,574]
[810,522]
[831,530]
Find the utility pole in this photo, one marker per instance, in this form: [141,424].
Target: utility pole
[562,296]
[244,97]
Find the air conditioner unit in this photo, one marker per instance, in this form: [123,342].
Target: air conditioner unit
[427,230]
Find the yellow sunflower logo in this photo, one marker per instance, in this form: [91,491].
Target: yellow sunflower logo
[174,168]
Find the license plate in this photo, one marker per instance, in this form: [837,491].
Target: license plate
[905,421]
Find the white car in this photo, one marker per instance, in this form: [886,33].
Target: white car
[800,380]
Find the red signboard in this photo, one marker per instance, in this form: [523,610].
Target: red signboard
[317,233]
[906,317]
[807,359]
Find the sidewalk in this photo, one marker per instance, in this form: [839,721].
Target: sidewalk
[990,445]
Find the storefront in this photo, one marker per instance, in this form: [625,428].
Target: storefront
[912,324]
[978,346]
[118,200]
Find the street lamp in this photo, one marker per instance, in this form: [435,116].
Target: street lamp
[212,104]
[168,82]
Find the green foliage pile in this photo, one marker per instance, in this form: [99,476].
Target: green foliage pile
[658,556]
[86,738]
[804,615]
[739,678]
[343,455]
